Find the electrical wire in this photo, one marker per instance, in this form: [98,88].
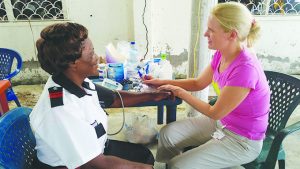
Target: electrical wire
[123,123]
[147,40]
[29,22]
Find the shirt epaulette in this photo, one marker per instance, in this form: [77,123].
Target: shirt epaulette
[56,96]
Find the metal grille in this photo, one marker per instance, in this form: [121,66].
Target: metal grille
[37,9]
[31,10]
[3,15]
[271,7]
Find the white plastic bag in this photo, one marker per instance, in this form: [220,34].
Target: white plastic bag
[157,68]
[165,70]
[112,55]
[123,48]
[140,129]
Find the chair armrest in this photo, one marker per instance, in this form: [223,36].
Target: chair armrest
[275,147]
[213,100]
[14,73]
[18,68]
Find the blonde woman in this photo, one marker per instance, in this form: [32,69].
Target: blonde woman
[232,131]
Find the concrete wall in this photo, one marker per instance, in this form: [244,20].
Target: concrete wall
[21,36]
[171,31]
[170,27]
[279,45]
[106,20]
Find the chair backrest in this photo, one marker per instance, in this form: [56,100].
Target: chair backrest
[7,57]
[17,141]
[285,97]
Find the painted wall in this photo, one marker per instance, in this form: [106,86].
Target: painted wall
[279,45]
[170,27]
[21,36]
[106,20]
[171,31]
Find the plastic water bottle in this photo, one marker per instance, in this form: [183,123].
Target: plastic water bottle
[132,61]
[133,54]
[165,67]
[102,71]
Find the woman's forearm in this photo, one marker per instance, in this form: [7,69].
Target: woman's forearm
[190,84]
[199,105]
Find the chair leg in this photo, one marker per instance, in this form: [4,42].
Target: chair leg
[281,158]
[281,164]
[17,102]
[10,95]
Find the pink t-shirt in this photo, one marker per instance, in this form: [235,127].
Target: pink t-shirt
[250,117]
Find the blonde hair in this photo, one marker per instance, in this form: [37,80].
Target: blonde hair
[236,16]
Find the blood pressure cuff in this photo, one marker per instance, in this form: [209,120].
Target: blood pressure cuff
[105,95]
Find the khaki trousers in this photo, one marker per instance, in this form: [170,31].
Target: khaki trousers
[230,151]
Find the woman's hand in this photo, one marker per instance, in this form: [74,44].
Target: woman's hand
[147,77]
[150,81]
[176,91]
[159,95]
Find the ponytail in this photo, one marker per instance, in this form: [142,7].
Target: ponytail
[253,33]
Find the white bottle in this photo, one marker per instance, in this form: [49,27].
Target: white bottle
[132,61]
[133,58]
[102,71]
[165,69]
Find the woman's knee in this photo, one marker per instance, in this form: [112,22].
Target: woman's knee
[165,132]
[178,162]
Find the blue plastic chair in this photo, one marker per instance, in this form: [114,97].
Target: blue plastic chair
[7,57]
[17,141]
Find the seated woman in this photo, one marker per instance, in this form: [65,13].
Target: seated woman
[231,132]
[68,121]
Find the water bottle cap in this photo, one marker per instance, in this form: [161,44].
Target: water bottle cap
[132,43]
[156,60]
[163,56]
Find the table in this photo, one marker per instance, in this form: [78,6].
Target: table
[171,106]
[4,85]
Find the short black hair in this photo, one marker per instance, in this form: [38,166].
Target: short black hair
[59,45]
